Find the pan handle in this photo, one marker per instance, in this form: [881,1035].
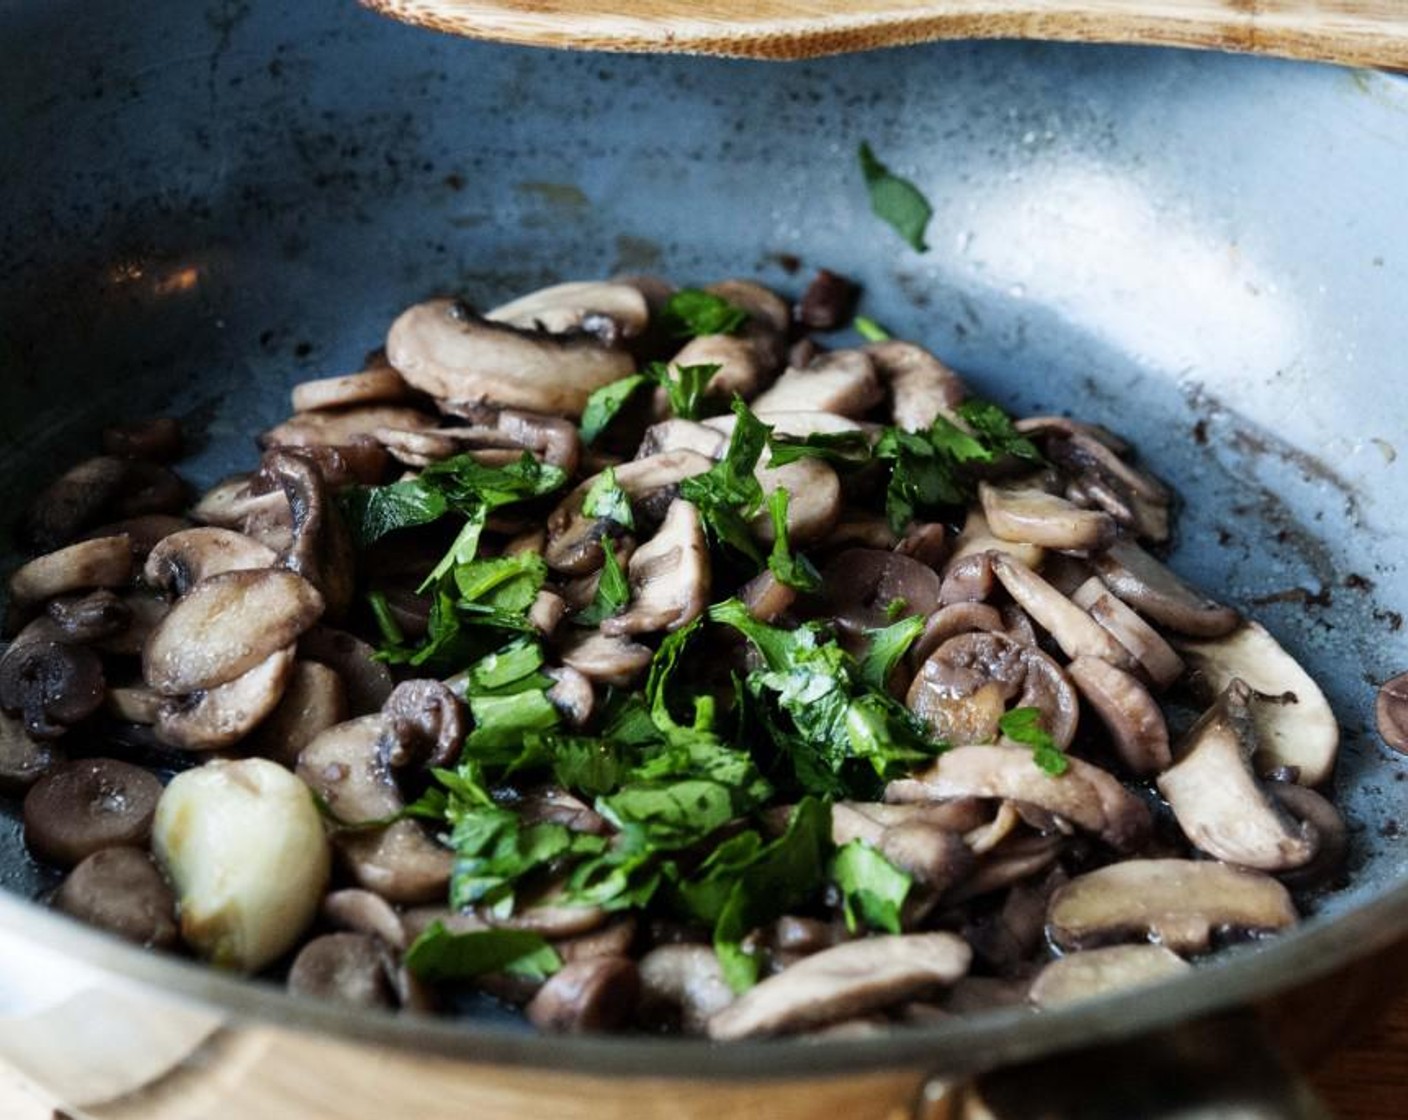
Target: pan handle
[1224,1068]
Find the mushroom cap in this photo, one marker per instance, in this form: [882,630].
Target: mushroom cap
[444,349]
[209,719]
[863,584]
[97,562]
[575,305]
[1154,591]
[841,381]
[1085,795]
[1176,902]
[1297,728]
[1075,631]
[1025,513]
[1134,720]
[592,994]
[922,388]
[851,979]
[1219,804]
[180,561]
[1098,972]
[350,968]
[85,805]
[669,576]
[53,684]
[1157,660]
[121,890]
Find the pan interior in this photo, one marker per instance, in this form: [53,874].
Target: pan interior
[203,206]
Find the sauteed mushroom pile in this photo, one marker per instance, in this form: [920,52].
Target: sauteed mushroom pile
[627,655]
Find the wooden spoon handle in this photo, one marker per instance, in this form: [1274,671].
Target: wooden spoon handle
[1354,32]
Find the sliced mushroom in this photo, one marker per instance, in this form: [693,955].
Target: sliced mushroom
[1219,804]
[869,589]
[669,576]
[97,490]
[89,619]
[609,311]
[144,532]
[813,500]
[965,686]
[842,381]
[1294,725]
[1153,590]
[1391,713]
[1177,903]
[969,580]
[232,504]
[682,435]
[226,626]
[1317,815]
[682,985]
[183,559]
[1135,722]
[926,542]
[321,549]
[916,838]
[1025,513]
[921,387]
[401,862]
[83,806]
[377,385]
[99,562]
[349,968]
[243,844]
[443,348]
[792,423]
[360,911]
[1157,659]
[574,539]
[742,371]
[314,699]
[1085,795]
[605,659]
[23,759]
[51,683]
[121,890]
[851,979]
[1075,632]
[220,716]
[1099,972]
[1015,860]
[596,994]
[1138,500]
[951,621]
[827,303]
[977,538]
[367,681]
[344,426]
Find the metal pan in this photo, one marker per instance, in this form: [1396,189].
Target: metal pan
[202,205]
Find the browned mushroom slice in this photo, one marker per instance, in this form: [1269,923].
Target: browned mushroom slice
[574,538]
[100,562]
[936,857]
[851,979]
[842,381]
[1043,427]
[1294,726]
[611,311]
[1136,499]
[792,423]
[1391,713]
[1075,631]
[225,626]
[1156,657]
[669,576]
[1015,860]
[921,387]
[681,435]
[53,684]
[401,862]
[951,621]
[1317,815]
[350,968]
[605,659]
[217,717]
[443,348]
[767,597]
[232,504]
[360,911]
[869,588]
[1154,591]
[23,759]
[144,532]
[742,371]
[1085,795]
[314,699]
[183,559]
[596,994]
[1026,513]
[367,680]
[157,439]
[1177,903]
[1135,722]
[89,619]
[965,686]
[377,385]
[813,500]
[344,426]
[97,490]
[967,580]
[83,806]
[977,538]
[682,986]
[321,550]
[1099,972]
[1219,804]
[121,890]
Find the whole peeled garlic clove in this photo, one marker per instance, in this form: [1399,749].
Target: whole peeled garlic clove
[243,844]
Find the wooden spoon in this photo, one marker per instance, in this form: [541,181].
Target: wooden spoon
[1354,32]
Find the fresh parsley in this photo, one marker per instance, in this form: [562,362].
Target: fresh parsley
[793,570]
[606,499]
[895,201]
[870,330]
[604,403]
[1024,725]
[729,493]
[873,890]
[692,312]
[613,592]
[684,387]
[439,955]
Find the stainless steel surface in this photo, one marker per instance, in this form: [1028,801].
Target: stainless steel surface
[204,204]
